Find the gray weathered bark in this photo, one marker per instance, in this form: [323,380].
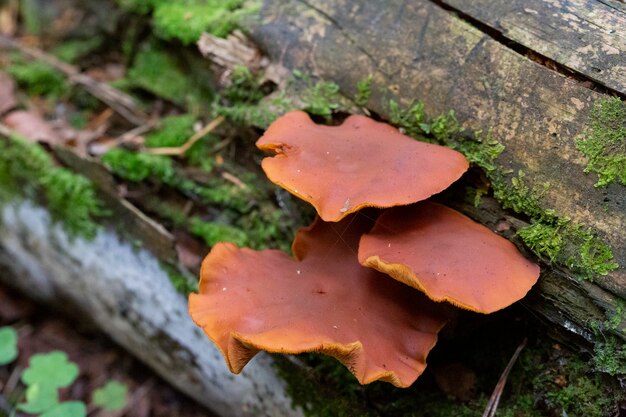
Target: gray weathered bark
[129,296]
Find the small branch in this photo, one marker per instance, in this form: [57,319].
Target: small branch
[181,150]
[122,103]
[492,405]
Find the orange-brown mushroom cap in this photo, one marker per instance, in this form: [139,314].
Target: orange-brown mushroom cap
[448,256]
[323,302]
[361,163]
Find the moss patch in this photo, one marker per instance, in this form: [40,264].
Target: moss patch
[185,20]
[604,141]
[550,236]
[239,208]
[26,170]
[38,78]
[246,101]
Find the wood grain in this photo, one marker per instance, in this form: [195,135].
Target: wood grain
[586,36]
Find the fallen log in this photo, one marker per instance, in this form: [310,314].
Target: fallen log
[421,51]
[126,292]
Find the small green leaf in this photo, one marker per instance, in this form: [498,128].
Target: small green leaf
[39,398]
[51,369]
[111,397]
[67,409]
[8,345]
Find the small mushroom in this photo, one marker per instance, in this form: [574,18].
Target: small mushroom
[361,163]
[448,256]
[322,301]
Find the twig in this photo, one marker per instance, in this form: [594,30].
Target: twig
[230,177]
[138,131]
[14,378]
[492,405]
[180,150]
[122,103]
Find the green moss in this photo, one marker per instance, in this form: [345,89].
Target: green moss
[550,236]
[604,141]
[137,166]
[553,237]
[137,6]
[27,171]
[322,99]
[609,356]
[363,91]
[543,239]
[249,104]
[38,78]
[159,72]
[242,208]
[186,20]
[74,49]
[609,353]
[520,197]
[72,199]
[584,394]
[174,131]
[212,232]
[322,388]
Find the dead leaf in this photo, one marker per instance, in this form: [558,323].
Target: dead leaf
[32,126]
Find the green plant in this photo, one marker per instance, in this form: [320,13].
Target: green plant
[8,345]
[46,374]
[111,397]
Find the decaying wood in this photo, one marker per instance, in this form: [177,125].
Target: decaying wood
[419,51]
[128,295]
[587,36]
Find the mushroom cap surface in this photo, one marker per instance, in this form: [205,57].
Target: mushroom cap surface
[361,163]
[323,301]
[448,256]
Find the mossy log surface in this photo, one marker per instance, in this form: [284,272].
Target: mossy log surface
[419,51]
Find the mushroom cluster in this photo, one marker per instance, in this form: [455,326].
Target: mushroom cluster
[334,295]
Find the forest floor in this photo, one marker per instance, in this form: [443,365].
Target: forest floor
[207,188]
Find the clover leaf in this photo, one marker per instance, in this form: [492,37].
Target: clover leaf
[52,369]
[111,397]
[8,345]
[67,409]
[39,398]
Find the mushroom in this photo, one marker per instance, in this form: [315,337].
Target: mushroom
[448,256]
[321,301]
[361,163]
